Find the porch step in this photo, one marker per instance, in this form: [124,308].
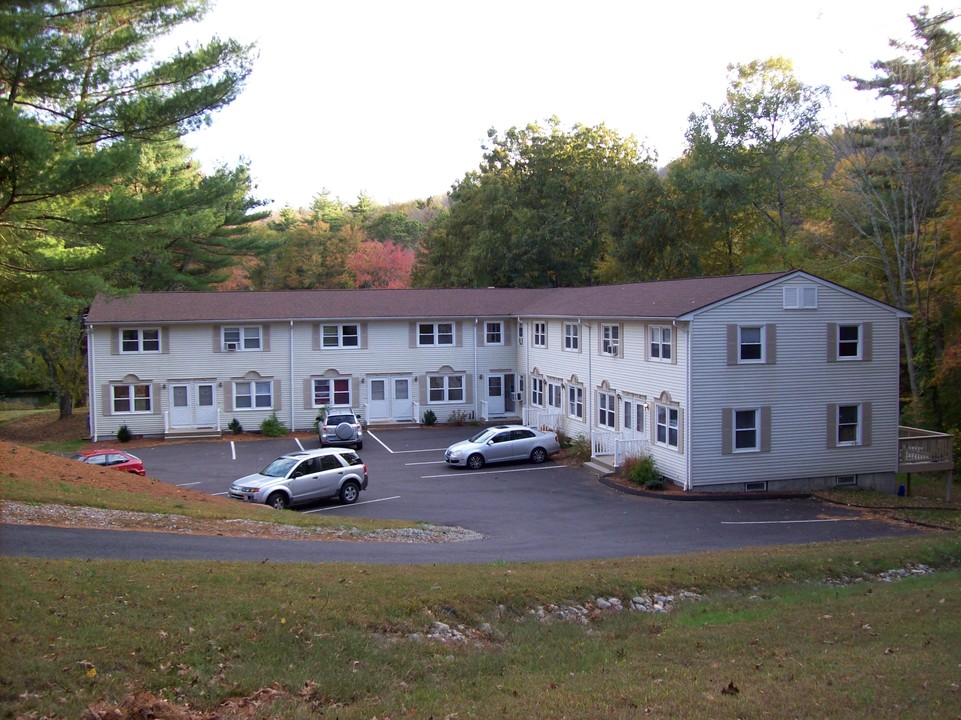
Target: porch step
[193,434]
[601,465]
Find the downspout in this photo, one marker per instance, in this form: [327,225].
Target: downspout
[476,379]
[292,427]
[589,394]
[91,384]
[690,408]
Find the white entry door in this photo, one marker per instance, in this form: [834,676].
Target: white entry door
[378,406]
[495,395]
[401,401]
[193,405]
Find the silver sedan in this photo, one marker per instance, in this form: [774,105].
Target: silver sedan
[502,443]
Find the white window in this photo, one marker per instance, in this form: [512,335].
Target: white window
[849,425]
[140,340]
[849,342]
[540,334]
[747,430]
[537,391]
[242,338]
[445,389]
[610,339]
[803,297]
[750,344]
[493,333]
[661,343]
[331,391]
[572,336]
[253,395]
[634,415]
[554,397]
[435,334]
[667,425]
[606,410]
[131,399]
[520,333]
[340,336]
[575,401]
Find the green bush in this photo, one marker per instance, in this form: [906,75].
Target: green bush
[124,434]
[642,471]
[272,427]
[235,427]
[430,417]
[457,417]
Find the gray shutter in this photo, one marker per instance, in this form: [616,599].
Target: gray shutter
[308,393]
[228,396]
[362,329]
[727,430]
[315,336]
[646,340]
[866,424]
[355,391]
[832,341]
[766,428]
[218,339]
[412,335]
[265,338]
[458,335]
[832,425]
[155,399]
[114,341]
[423,389]
[507,327]
[770,344]
[165,339]
[680,431]
[674,334]
[106,401]
[732,354]
[278,402]
[469,388]
[867,340]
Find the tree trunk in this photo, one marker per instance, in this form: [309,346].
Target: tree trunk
[66,405]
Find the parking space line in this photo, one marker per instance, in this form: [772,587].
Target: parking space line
[401,452]
[471,473]
[341,507]
[187,484]
[787,522]
[426,462]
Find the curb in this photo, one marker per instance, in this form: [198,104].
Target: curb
[695,496]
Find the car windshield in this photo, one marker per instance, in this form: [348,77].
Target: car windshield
[482,436]
[279,467]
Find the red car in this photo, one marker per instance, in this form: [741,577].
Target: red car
[113,459]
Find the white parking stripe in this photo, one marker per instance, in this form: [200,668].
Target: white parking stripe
[187,484]
[427,462]
[402,452]
[341,507]
[471,473]
[223,493]
[787,522]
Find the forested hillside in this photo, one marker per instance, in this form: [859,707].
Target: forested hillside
[98,193]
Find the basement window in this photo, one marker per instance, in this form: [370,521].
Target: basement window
[846,481]
[755,486]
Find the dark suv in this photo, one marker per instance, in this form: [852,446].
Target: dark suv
[340,426]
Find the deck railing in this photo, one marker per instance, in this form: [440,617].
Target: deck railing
[923,450]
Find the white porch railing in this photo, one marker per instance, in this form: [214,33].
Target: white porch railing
[484,413]
[614,445]
[547,421]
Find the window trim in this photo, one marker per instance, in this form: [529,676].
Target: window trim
[760,344]
[446,389]
[859,342]
[669,410]
[537,391]
[140,340]
[252,395]
[332,393]
[488,332]
[572,337]
[555,392]
[756,429]
[436,334]
[660,331]
[611,341]
[575,402]
[242,338]
[340,337]
[858,425]
[539,339]
[607,409]
[132,398]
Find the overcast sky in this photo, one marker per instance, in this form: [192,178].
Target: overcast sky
[394,98]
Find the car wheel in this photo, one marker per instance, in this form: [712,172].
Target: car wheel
[475,461]
[538,455]
[278,501]
[349,492]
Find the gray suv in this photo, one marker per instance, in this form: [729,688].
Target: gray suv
[340,426]
[301,477]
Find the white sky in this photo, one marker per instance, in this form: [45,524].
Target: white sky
[394,97]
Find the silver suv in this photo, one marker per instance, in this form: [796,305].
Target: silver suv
[301,477]
[340,426]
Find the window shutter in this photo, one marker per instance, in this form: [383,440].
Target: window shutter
[766,428]
[308,392]
[674,347]
[423,382]
[355,391]
[362,329]
[680,431]
[458,335]
[412,337]
[727,430]
[165,339]
[770,344]
[315,336]
[832,341]
[106,401]
[278,402]
[218,339]
[646,340]
[265,338]
[469,388]
[732,345]
[867,342]
[155,400]
[228,397]
[832,425]
[866,424]
[114,341]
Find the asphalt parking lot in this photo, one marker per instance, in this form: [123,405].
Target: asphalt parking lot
[525,512]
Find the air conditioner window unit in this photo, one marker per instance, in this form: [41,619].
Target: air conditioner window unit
[231,345]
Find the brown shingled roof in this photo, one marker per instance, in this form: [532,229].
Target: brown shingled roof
[661,299]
